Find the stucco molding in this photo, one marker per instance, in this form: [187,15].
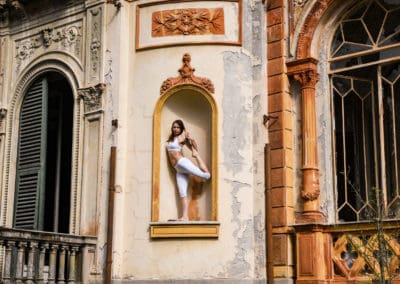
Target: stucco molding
[186,76]
[66,38]
[94,27]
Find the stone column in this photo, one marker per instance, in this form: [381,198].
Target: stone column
[305,72]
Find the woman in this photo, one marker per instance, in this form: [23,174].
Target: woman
[183,166]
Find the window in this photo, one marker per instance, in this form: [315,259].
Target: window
[43,178]
[365,82]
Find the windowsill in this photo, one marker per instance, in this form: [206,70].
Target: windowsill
[184,229]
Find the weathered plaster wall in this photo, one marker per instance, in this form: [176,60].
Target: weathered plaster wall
[238,75]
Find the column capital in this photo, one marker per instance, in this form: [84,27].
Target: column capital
[304,71]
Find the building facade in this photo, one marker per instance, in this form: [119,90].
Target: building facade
[293,107]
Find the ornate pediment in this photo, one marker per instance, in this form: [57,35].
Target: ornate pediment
[186,76]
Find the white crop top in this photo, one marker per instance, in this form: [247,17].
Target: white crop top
[174,146]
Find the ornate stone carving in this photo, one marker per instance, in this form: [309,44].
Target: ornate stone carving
[92,97]
[299,3]
[307,78]
[186,77]
[95,44]
[68,37]
[188,22]
[310,195]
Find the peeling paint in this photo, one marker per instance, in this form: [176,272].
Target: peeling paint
[236,121]
[239,266]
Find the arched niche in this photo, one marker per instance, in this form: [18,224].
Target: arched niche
[196,106]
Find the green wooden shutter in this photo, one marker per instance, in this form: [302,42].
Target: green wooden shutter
[30,179]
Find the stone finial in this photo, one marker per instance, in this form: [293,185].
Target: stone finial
[186,76]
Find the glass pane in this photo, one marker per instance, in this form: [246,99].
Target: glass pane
[337,40]
[394,209]
[391,26]
[390,151]
[354,31]
[340,173]
[390,4]
[341,84]
[354,150]
[347,214]
[358,12]
[362,88]
[391,72]
[373,19]
[369,142]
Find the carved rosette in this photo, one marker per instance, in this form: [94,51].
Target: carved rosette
[188,22]
[92,97]
[187,77]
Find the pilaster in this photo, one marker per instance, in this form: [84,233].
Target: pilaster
[305,72]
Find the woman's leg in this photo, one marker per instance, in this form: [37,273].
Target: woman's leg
[185,209]
[182,181]
[186,166]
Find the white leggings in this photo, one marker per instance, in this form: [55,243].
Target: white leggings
[184,167]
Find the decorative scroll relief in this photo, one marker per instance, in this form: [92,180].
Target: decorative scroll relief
[92,97]
[67,38]
[94,26]
[186,77]
[188,22]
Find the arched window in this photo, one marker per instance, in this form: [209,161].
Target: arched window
[43,177]
[365,82]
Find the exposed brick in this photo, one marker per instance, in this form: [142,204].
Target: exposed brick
[281,139]
[276,66]
[274,16]
[281,120]
[278,197]
[281,158]
[278,217]
[279,102]
[275,33]
[280,249]
[281,177]
[275,49]
[275,84]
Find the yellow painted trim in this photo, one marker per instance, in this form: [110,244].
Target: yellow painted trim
[184,230]
[156,147]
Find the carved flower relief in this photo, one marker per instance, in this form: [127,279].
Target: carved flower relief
[188,22]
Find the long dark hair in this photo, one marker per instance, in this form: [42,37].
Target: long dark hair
[182,127]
